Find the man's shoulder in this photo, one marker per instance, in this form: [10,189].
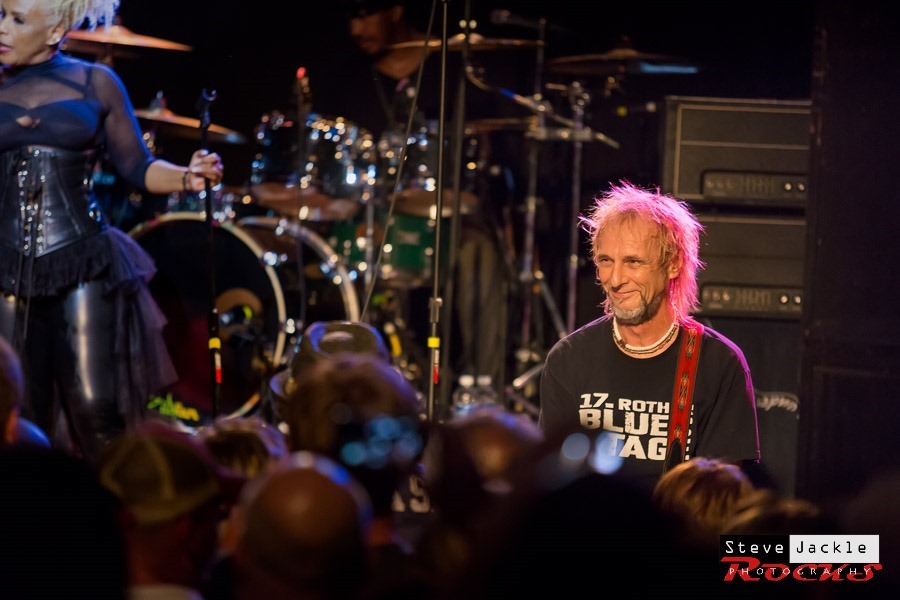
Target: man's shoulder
[588,331]
[719,345]
[585,336]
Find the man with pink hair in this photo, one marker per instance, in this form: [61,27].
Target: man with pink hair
[617,375]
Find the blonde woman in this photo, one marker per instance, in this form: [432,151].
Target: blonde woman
[75,300]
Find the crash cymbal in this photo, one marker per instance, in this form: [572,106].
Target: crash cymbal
[621,61]
[476,43]
[477,126]
[167,122]
[92,41]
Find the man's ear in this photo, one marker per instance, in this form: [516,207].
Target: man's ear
[674,268]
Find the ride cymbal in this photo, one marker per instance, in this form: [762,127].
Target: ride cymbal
[476,43]
[167,122]
[621,61]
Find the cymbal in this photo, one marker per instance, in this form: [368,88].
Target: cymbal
[88,40]
[306,204]
[186,127]
[423,203]
[476,43]
[491,125]
[620,61]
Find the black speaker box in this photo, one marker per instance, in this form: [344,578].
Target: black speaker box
[753,265]
[735,151]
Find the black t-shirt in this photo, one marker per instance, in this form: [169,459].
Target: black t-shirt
[589,385]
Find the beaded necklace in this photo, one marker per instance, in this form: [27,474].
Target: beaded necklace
[655,347]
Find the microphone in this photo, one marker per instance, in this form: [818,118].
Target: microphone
[504,17]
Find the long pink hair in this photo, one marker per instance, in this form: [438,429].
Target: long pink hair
[678,236]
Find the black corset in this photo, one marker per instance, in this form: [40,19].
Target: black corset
[46,203]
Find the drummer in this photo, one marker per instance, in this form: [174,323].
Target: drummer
[383,79]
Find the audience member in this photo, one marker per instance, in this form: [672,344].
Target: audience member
[59,537]
[14,428]
[360,411]
[567,521]
[172,493]
[874,510]
[11,391]
[247,445]
[701,495]
[244,444]
[323,340]
[766,512]
[303,534]
[472,463]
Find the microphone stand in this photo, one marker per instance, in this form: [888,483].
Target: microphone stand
[215,343]
[459,132]
[434,303]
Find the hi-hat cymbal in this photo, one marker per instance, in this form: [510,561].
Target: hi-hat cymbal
[186,127]
[476,43]
[621,61]
[97,41]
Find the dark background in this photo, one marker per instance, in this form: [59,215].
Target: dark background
[249,53]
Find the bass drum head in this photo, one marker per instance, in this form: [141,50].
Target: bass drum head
[260,300]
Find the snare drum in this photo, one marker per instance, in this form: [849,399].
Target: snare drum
[271,277]
[333,176]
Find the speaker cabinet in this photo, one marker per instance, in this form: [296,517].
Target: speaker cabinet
[736,151]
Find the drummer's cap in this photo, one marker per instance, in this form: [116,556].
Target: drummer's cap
[355,9]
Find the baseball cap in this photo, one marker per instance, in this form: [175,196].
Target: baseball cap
[160,473]
[323,340]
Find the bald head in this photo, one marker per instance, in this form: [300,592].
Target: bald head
[305,524]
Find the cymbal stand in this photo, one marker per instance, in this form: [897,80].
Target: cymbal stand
[579,98]
[530,280]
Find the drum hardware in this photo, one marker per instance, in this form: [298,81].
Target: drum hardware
[475,43]
[533,286]
[164,122]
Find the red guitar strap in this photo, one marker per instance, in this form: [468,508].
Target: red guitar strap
[683,393]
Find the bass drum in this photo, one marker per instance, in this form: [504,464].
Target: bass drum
[271,278]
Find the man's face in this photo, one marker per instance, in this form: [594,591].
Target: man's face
[374,32]
[629,270]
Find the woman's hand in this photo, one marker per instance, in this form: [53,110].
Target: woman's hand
[204,165]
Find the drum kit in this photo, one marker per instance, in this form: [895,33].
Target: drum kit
[319,184]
